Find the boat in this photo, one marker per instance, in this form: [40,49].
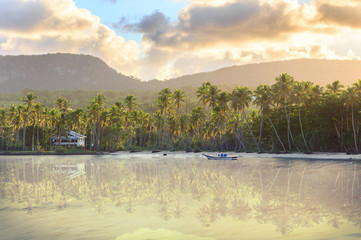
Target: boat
[220,156]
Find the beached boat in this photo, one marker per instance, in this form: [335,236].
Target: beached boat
[220,156]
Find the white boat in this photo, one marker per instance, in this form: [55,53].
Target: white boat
[220,156]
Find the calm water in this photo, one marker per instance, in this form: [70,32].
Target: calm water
[148,196]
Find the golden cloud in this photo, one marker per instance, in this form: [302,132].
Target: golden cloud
[59,26]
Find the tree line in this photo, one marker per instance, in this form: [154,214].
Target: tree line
[287,116]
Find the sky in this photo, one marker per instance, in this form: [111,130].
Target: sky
[164,39]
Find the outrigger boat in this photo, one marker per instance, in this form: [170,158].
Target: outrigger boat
[220,156]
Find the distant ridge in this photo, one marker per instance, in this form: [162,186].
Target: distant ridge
[60,71]
[320,72]
[74,71]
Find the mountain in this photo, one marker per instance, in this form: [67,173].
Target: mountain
[74,71]
[60,71]
[320,72]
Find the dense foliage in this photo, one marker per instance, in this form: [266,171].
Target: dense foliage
[286,116]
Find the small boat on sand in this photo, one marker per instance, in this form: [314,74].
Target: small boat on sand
[220,156]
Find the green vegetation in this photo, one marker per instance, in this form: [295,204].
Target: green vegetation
[286,116]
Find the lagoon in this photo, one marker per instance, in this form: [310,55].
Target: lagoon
[178,196]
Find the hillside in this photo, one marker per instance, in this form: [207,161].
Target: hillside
[320,72]
[60,71]
[73,71]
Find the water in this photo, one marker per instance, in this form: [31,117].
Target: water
[180,196]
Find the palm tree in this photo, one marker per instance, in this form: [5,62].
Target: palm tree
[302,95]
[63,106]
[178,97]
[38,108]
[263,99]
[283,91]
[94,111]
[241,98]
[28,100]
[130,103]
[202,94]
[165,103]
[16,116]
[53,120]
[352,100]
[334,87]
[212,96]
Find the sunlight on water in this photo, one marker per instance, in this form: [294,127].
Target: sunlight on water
[149,196]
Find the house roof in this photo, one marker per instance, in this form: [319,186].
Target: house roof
[75,134]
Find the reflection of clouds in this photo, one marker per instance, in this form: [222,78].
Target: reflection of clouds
[245,191]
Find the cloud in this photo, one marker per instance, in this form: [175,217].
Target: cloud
[346,13]
[156,22]
[59,26]
[202,24]
[17,15]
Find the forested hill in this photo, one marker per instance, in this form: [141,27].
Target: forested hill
[60,71]
[73,71]
[320,72]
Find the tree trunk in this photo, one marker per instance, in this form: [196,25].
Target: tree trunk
[260,135]
[24,132]
[303,135]
[354,130]
[278,137]
[250,130]
[288,128]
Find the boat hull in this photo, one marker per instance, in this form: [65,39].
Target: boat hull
[209,157]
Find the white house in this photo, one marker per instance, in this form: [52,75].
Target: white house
[73,138]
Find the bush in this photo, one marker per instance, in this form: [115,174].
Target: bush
[60,150]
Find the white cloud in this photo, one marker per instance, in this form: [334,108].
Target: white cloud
[59,26]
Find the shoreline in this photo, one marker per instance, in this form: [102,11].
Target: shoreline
[50,153]
[291,156]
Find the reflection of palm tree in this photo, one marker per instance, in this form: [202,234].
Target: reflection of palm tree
[240,209]
[207,214]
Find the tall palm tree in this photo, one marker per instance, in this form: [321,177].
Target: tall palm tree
[130,104]
[38,108]
[263,99]
[352,100]
[63,106]
[283,94]
[212,96]
[53,121]
[335,87]
[28,100]
[202,94]
[302,95]
[17,120]
[241,98]
[178,97]
[165,103]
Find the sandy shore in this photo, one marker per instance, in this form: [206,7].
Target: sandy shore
[182,154]
[295,156]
